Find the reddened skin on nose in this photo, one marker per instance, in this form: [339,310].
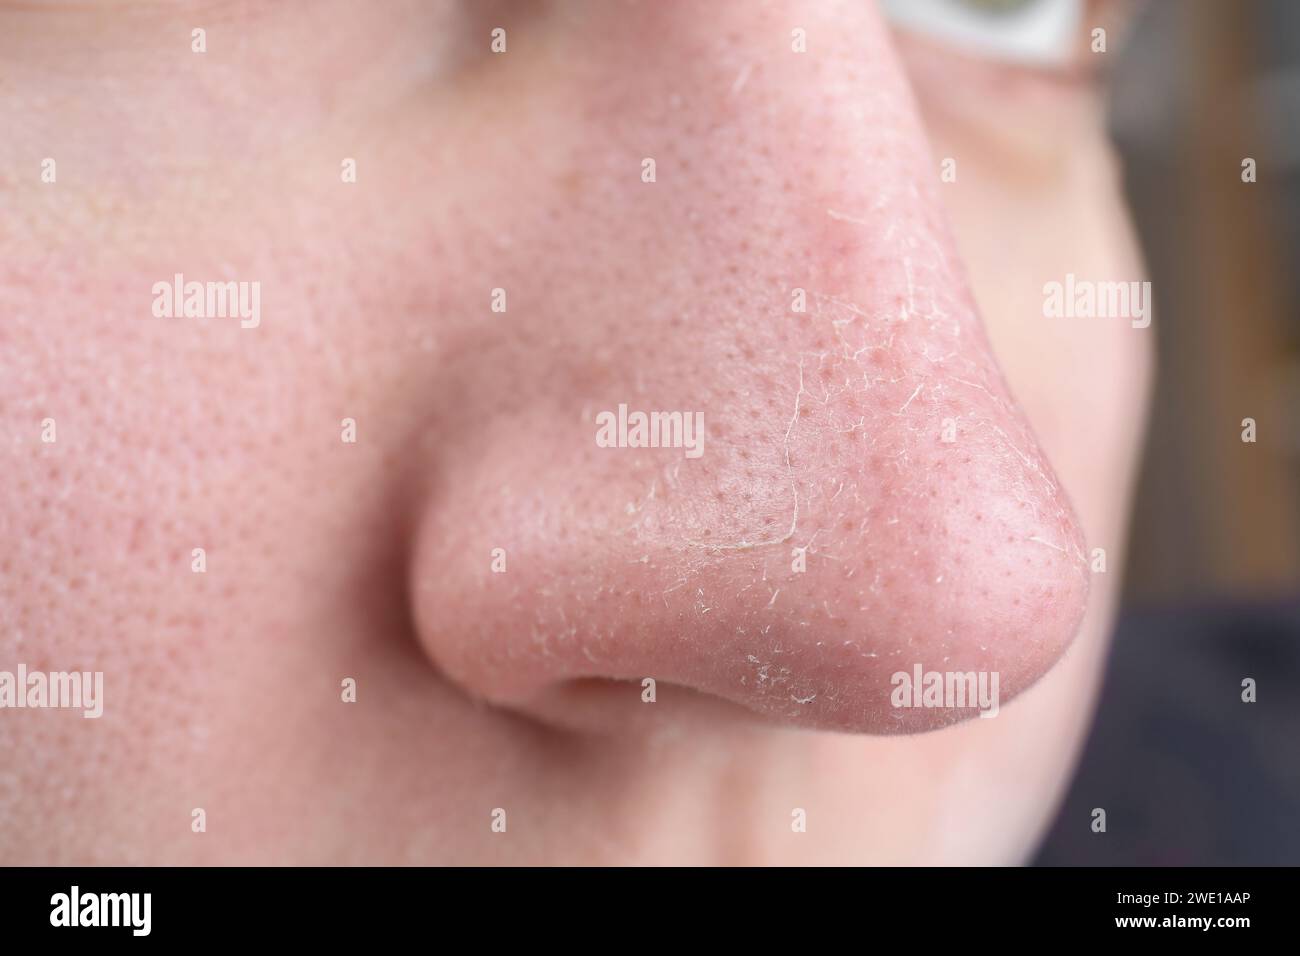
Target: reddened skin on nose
[867,498]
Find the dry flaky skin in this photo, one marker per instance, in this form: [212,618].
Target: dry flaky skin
[476,431]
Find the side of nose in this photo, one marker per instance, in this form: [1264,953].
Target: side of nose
[866,501]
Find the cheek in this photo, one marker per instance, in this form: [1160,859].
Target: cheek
[158,530]
[98,517]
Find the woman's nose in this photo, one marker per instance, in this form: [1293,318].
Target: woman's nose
[716,411]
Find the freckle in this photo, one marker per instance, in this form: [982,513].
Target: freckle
[848,526]
[744,454]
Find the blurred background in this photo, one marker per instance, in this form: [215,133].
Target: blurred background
[1187,772]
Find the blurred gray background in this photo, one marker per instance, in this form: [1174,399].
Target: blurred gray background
[1187,773]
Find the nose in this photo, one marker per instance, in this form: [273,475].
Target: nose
[727,212]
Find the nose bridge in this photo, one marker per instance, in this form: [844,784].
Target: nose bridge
[777,129]
[817,82]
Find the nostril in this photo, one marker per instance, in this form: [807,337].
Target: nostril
[612,706]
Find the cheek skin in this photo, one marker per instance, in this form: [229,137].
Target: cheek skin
[825,430]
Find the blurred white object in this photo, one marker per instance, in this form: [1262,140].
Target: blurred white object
[1044,32]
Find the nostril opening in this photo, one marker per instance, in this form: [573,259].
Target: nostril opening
[616,706]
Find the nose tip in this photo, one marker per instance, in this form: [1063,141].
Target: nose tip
[961,560]
[867,501]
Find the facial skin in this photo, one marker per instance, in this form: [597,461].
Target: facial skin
[372,560]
